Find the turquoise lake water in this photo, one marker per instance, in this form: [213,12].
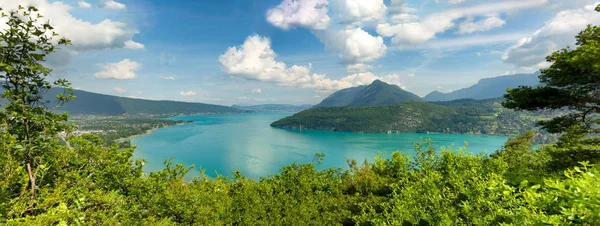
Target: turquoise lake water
[246,142]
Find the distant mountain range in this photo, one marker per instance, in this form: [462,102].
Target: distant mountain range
[377,93]
[101,104]
[487,88]
[272,107]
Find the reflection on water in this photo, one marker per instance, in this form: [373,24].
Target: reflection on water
[246,142]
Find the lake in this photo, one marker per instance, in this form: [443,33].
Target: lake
[246,142]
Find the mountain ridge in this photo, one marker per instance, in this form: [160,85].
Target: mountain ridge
[377,93]
[90,103]
[486,88]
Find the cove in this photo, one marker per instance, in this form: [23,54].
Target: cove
[246,142]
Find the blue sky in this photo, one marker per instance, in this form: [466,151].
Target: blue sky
[300,51]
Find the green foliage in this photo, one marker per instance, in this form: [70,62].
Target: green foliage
[524,163]
[29,127]
[80,181]
[572,82]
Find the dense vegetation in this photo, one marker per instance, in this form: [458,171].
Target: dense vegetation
[486,88]
[462,116]
[79,181]
[377,93]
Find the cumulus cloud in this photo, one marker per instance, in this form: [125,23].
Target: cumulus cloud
[120,90]
[255,60]
[354,45]
[83,4]
[360,11]
[111,4]
[404,18]
[187,94]
[257,90]
[471,26]
[422,31]
[167,77]
[399,6]
[123,70]
[84,35]
[311,14]
[557,33]
[129,44]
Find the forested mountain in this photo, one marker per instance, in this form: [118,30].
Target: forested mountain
[94,103]
[272,107]
[487,88]
[101,104]
[377,93]
[462,116]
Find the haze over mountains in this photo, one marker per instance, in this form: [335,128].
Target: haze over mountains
[377,93]
[487,88]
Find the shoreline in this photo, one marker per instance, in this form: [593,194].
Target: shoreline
[136,136]
[148,132]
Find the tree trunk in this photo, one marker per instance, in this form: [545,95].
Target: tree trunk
[32,182]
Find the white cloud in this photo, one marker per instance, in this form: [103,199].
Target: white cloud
[411,75]
[355,45]
[476,40]
[130,44]
[111,4]
[187,94]
[83,4]
[167,77]
[311,14]
[359,11]
[456,1]
[404,18]
[84,35]
[420,32]
[123,70]
[255,60]
[257,90]
[557,33]
[120,90]
[356,68]
[470,26]
[399,6]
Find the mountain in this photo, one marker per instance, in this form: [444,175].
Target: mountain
[101,104]
[463,116]
[272,107]
[377,93]
[487,88]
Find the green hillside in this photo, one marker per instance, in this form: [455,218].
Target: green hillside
[100,104]
[465,116]
[377,93]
